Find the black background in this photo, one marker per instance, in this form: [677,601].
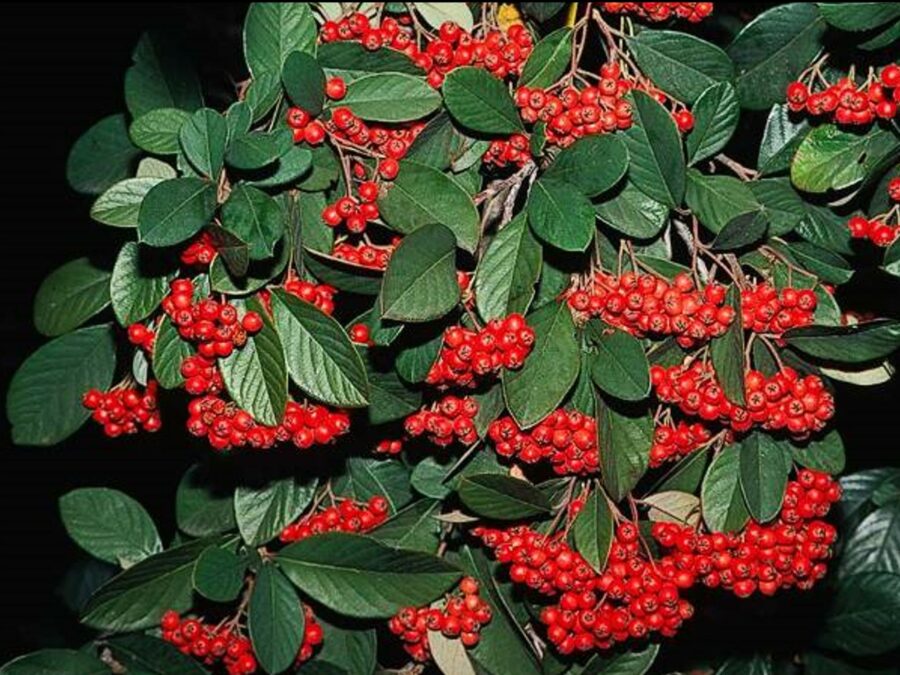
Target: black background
[62,70]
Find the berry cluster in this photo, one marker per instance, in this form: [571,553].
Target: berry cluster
[389,447]
[468,354]
[141,335]
[345,516]
[200,252]
[226,426]
[462,616]
[213,325]
[320,295]
[566,439]
[674,441]
[513,151]
[799,405]
[883,229]
[694,12]
[303,126]
[124,410]
[786,553]
[845,102]
[201,376]
[451,418]
[354,213]
[765,310]
[313,636]
[498,53]
[644,304]
[365,254]
[209,643]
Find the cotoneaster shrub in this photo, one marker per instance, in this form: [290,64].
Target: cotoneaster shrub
[505,331]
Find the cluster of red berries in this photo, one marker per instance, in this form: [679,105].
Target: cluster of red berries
[226,426]
[791,551]
[354,212]
[213,325]
[694,12]
[450,419]
[365,254]
[879,229]
[313,636]
[799,405]
[846,103]
[462,617]
[392,143]
[304,127]
[644,304]
[141,335]
[201,376]
[209,643]
[320,295]
[199,252]
[468,354]
[345,516]
[389,447]
[673,441]
[513,151]
[567,439]
[766,310]
[498,53]
[124,410]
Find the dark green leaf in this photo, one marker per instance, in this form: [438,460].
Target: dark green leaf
[203,138]
[875,544]
[863,617]
[549,59]
[718,200]
[273,30]
[593,164]
[727,353]
[69,296]
[136,288]
[304,82]
[627,663]
[101,157]
[219,574]
[414,527]
[255,218]
[821,454]
[54,661]
[716,115]
[169,351]
[858,16]
[157,131]
[632,212]
[721,498]
[368,477]
[262,512]
[781,138]
[561,215]
[764,468]
[352,59]
[501,497]
[480,102]
[593,530]
[655,150]
[275,620]
[203,506]
[508,271]
[151,656]
[741,231]
[619,366]
[389,398]
[162,77]
[624,437]
[377,97]
[860,342]
[120,205]
[349,648]
[252,151]
[175,210]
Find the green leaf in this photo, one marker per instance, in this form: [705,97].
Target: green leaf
[874,545]
[593,530]
[883,39]
[109,525]
[203,138]
[741,231]
[368,477]
[480,102]
[255,218]
[827,266]
[413,528]
[175,210]
[783,206]
[357,576]
[304,82]
[718,200]
[680,64]
[69,296]
[832,159]
[320,356]
[262,512]
[275,620]
[422,196]
[257,274]
[441,145]
[377,97]
[203,506]
[151,656]
[549,59]
[135,286]
[162,77]
[352,59]
[219,574]
[342,275]
[291,165]
[415,360]
[561,215]
[781,138]
[501,497]
[764,468]
[858,16]
[273,30]
[863,617]
[120,204]
[256,374]
[508,271]
[627,663]
[716,115]
[169,351]
[821,454]
[101,157]
[262,95]
[721,498]
[43,403]
[632,212]
[771,51]
[857,343]
[624,437]
[389,398]
[657,157]
[138,597]
[541,11]
[751,664]
[593,164]
[157,131]
[618,365]
[51,661]
[550,370]
[436,13]
[346,645]
[252,151]
[420,281]
[727,353]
